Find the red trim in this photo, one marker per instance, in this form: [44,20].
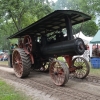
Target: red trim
[68,60]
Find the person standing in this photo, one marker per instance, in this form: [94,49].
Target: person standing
[16,46]
[10,55]
[12,47]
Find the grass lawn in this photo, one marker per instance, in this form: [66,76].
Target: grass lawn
[8,93]
[94,72]
[4,63]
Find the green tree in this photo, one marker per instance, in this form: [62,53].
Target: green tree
[16,10]
[88,28]
[90,7]
[17,14]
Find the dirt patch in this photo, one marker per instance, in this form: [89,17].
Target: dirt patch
[33,93]
[40,86]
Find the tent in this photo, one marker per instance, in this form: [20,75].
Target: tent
[86,39]
[96,38]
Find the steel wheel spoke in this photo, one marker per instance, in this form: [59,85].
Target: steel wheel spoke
[57,73]
[82,67]
[28,43]
[17,62]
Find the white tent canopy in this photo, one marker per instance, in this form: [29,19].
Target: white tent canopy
[86,39]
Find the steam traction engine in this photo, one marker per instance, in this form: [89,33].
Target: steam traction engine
[41,43]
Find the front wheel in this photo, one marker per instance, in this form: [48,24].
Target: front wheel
[82,67]
[21,63]
[59,72]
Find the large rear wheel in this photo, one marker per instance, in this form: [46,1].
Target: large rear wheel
[59,72]
[21,63]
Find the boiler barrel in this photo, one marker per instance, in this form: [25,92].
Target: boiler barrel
[71,47]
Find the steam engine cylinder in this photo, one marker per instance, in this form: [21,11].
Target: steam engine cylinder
[71,47]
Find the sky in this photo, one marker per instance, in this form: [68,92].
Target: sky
[53,0]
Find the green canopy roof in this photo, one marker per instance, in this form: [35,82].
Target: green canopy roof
[96,38]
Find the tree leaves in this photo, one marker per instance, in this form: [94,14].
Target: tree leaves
[17,14]
[90,7]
